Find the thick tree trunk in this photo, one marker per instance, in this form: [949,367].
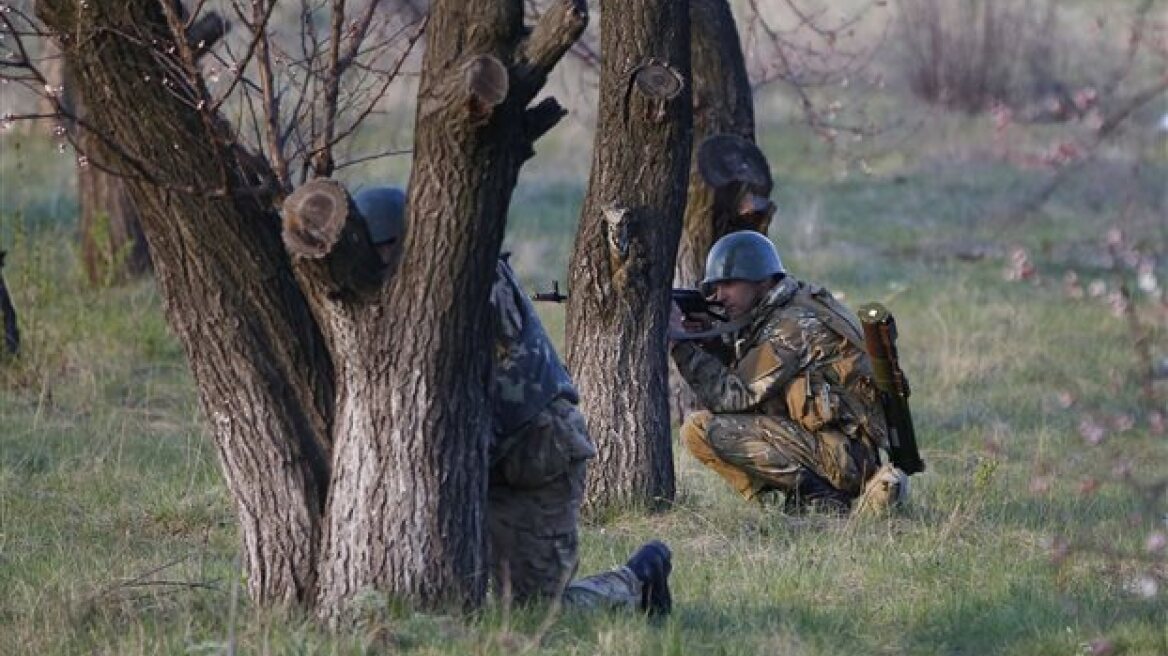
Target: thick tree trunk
[418,531]
[113,248]
[723,104]
[625,247]
[264,378]
[350,414]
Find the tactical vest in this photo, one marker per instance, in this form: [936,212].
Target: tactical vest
[528,374]
[837,390]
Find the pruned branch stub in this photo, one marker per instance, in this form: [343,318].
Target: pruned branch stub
[658,80]
[314,217]
[486,83]
[728,158]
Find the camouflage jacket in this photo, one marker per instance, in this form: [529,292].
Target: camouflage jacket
[528,375]
[801,356]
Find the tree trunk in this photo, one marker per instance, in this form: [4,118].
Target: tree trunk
[8,315]
[418,531]
[723,105]
[113,248]
[350,415]
[622,264]
[264,378]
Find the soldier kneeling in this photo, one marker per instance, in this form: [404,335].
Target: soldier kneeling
[788,391]
[538,456]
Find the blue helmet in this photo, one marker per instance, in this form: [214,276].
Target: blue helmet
[384,211]
[741,255]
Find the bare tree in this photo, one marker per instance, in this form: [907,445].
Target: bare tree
[349,414]
[622,265]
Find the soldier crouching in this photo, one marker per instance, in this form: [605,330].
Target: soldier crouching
[789,397]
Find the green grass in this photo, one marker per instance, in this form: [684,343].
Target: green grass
[117,535]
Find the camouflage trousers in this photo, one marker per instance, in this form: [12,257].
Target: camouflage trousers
[758,453]
[533,505]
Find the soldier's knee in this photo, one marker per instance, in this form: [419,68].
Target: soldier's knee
[693,433]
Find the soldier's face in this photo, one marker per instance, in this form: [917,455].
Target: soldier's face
[739,297]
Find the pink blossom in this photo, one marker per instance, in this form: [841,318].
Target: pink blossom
[1091,431]
[1156,422]
[1085,98]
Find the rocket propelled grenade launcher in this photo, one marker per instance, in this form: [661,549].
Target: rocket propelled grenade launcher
[880,342]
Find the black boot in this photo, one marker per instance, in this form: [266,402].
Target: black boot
[813,491]
[652,565]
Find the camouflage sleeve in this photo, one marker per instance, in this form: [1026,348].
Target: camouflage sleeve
[759,376]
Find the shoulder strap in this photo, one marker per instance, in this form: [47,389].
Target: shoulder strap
[826,309]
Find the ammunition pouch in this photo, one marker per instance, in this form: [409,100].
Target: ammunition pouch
[812,401]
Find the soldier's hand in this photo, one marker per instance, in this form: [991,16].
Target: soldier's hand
[681,323]
[696,323]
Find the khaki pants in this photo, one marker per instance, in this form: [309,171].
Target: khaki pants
[758,453]
[533,506]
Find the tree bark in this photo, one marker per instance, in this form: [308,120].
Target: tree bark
[626,242]
[350,414]
[418,531]
[113,248]
[723,105]
[8,314]
[264,378]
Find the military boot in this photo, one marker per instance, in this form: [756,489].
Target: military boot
[652,565]
[887,489]
[812,491]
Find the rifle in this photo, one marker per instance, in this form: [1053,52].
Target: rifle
[554,296]
[692,303]
[892,386]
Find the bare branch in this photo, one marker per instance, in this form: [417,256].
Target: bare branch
[369,158]
[390,76]
[322,156]
[192,77]
[558,28]
[258,30]
[270,106]
[541,118]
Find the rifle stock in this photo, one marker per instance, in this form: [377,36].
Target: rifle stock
[880,342]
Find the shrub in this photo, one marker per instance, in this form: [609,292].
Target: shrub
[966,54]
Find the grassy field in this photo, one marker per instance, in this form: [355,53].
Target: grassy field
[1036,529]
